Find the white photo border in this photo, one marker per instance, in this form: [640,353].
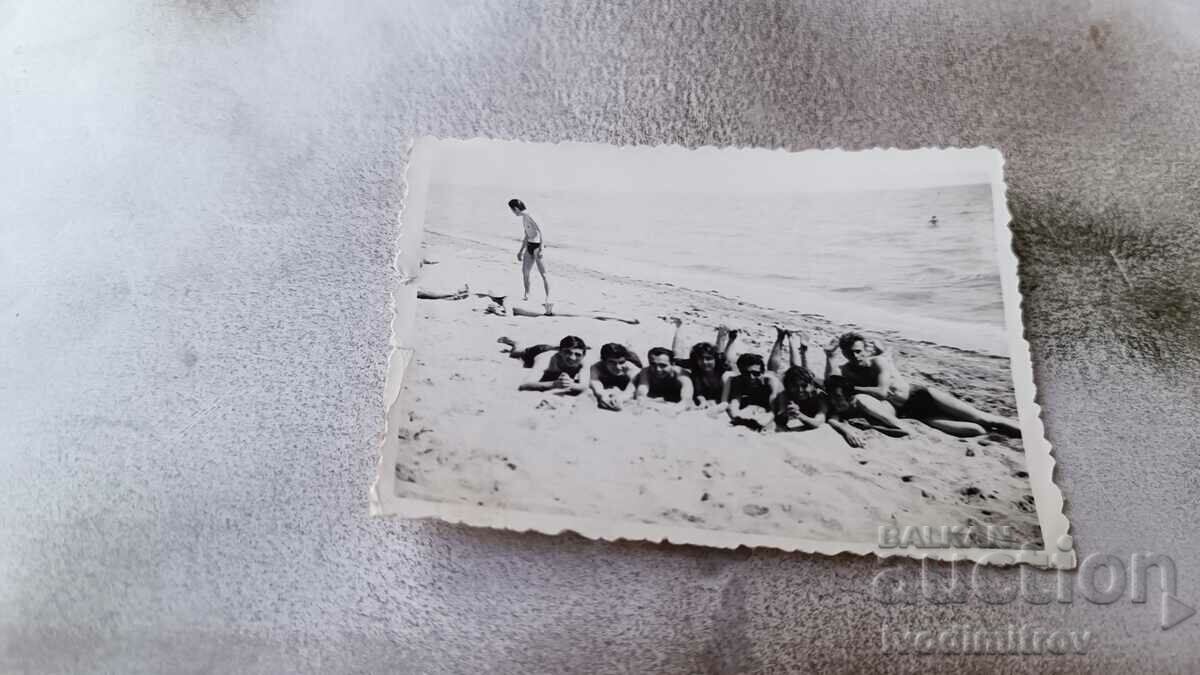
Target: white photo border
[1057,549]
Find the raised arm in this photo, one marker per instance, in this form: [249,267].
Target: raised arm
[830,352]
[677,347]
[776,387]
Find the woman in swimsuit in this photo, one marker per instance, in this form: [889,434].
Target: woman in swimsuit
[532,246]
[707,370]
[613,376]
[707,364]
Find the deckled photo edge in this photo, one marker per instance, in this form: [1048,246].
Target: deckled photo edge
[401,302]
[1057,552]
[1056,538]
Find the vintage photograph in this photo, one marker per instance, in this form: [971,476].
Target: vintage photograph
[716,346]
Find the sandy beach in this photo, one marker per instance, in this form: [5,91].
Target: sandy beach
[470,437]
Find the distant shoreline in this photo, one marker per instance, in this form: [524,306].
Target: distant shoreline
[983,338]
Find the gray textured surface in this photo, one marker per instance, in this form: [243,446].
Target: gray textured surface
[198,208]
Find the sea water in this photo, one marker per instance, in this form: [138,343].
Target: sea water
[873,259]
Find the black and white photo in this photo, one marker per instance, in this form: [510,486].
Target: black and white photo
[716,346]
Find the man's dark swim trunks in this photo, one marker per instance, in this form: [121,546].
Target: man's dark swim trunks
[920,405]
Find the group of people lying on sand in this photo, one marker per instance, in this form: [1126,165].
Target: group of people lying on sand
[867,392]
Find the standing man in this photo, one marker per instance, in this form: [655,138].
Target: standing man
[531,249]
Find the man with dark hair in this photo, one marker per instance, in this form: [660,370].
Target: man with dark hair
[662,379]
[532,248]
[562,371]
[750,395]
[613,376]
[885,396]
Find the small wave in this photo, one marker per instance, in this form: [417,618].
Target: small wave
[780,277]
[909,296]
[981,281]
[931,269]
[989,307]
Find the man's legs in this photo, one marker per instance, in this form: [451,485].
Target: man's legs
[526,354]
[730,352]
[526,266]
[545,280]
[722,338]
[954,408]
[796,340]
[517,310]
[881,412]
[595,315]
[460,294]
[955,427]
[775,363]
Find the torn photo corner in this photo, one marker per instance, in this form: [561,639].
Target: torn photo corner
[816,351]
